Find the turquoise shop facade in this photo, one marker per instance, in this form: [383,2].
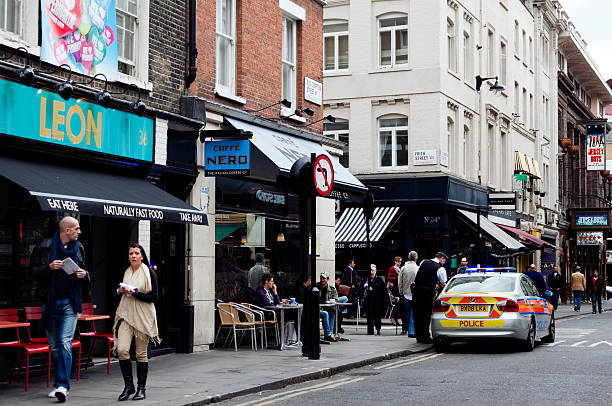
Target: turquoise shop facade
[101,165]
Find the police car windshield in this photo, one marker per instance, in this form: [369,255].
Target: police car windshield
[481,283]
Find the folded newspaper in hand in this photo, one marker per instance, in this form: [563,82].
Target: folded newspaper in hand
[130,287]
[70,266]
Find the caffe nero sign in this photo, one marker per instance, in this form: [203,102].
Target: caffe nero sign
[231,157]
[39,115]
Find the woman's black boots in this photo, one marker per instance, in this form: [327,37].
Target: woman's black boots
[126,371]
[142,368]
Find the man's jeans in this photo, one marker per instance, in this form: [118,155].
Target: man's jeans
[577,299]
[408,318]
[328,319]
[596,300]
[555,299]
[61,323]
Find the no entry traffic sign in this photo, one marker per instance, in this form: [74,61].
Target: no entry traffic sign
[323,173]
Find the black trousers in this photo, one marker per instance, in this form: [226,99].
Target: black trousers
[374,316]
[422,305]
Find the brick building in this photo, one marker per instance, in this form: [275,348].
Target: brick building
[251,56]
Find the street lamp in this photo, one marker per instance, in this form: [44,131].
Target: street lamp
[496,86]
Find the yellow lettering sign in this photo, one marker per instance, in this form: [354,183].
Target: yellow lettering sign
[75,109]
[58,118]
[44,131]
[94,127]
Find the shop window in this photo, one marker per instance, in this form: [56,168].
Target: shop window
[10,15]
[335,47]
[289,59]
[393,40]
[226,50]
[393,141]
[339,131]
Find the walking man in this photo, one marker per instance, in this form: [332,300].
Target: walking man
[463,266]
[405,280]
[348,279]
[554,283]
[578,287]
[537,278]
[50,261]
[596,286]
[431,273]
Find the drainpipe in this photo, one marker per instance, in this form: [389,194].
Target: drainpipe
[192,49]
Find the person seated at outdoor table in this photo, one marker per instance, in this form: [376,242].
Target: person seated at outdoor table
[302,289]
[328,316]
[266,294]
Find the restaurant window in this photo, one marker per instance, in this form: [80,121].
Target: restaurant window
[226,50]
[339,131]
[335,47]
[10,15]
[393,40]
[289,59]
[393,141]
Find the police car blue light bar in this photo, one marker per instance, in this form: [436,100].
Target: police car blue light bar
[490,269]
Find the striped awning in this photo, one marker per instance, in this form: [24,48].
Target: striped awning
[535,169]
[351,227]
[520,163]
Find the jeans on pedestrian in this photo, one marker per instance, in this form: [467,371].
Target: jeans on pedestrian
[61,323]
[343,299]
[577,299]
[328,319]
[408,317]
[596,301]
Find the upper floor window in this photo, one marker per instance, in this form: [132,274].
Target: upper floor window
[339,131]
[10,16]
[503,57]
[335,47]
[491,54]
[545,53]
[517,38]
[289,60]
[226,40]
[127,25]
[524,47]
[467,56]
[450,132]
[530,51]
[452,45]
[393,41]
[464,149]
[393,141]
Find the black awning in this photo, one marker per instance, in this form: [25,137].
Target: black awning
[99,194]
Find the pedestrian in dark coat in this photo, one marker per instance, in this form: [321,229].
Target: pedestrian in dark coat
[555,282]
[375,297]
[595,287]
[431,273]
[349,279]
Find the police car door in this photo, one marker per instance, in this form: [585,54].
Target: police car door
[538,306]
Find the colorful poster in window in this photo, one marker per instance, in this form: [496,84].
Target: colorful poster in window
[596,147]
[81,34]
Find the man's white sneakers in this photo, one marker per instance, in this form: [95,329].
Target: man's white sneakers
[52,393]
[61,394]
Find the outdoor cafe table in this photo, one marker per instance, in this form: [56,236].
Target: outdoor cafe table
[13,324]
[281,309]
[336,305]
[93,317]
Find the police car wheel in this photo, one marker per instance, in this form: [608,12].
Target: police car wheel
[529,343]
[441,344]
[550,338]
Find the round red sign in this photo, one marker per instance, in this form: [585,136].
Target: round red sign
[323,172]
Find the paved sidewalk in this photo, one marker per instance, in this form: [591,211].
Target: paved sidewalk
[206,377]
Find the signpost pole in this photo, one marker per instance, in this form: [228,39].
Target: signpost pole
[315,345]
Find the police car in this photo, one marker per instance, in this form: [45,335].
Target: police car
[491,303]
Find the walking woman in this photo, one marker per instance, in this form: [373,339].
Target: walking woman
[136,318]
[375,293]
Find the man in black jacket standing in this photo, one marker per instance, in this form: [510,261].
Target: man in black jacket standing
[58,263]
[431,273]
[555,282]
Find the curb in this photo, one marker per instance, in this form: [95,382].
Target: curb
[323,373]
[571,316]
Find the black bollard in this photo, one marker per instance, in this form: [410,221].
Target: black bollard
[314,351]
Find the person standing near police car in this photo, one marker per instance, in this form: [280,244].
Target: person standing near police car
[64,296]
[431,274]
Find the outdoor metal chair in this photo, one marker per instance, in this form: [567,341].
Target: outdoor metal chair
[273,323]
[230,318]
[94,335]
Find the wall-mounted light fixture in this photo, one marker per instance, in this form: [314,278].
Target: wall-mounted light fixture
[496,86]
[103,97]
[26,74]
[329,118]
[283,102]
[280,237]
[64,89]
